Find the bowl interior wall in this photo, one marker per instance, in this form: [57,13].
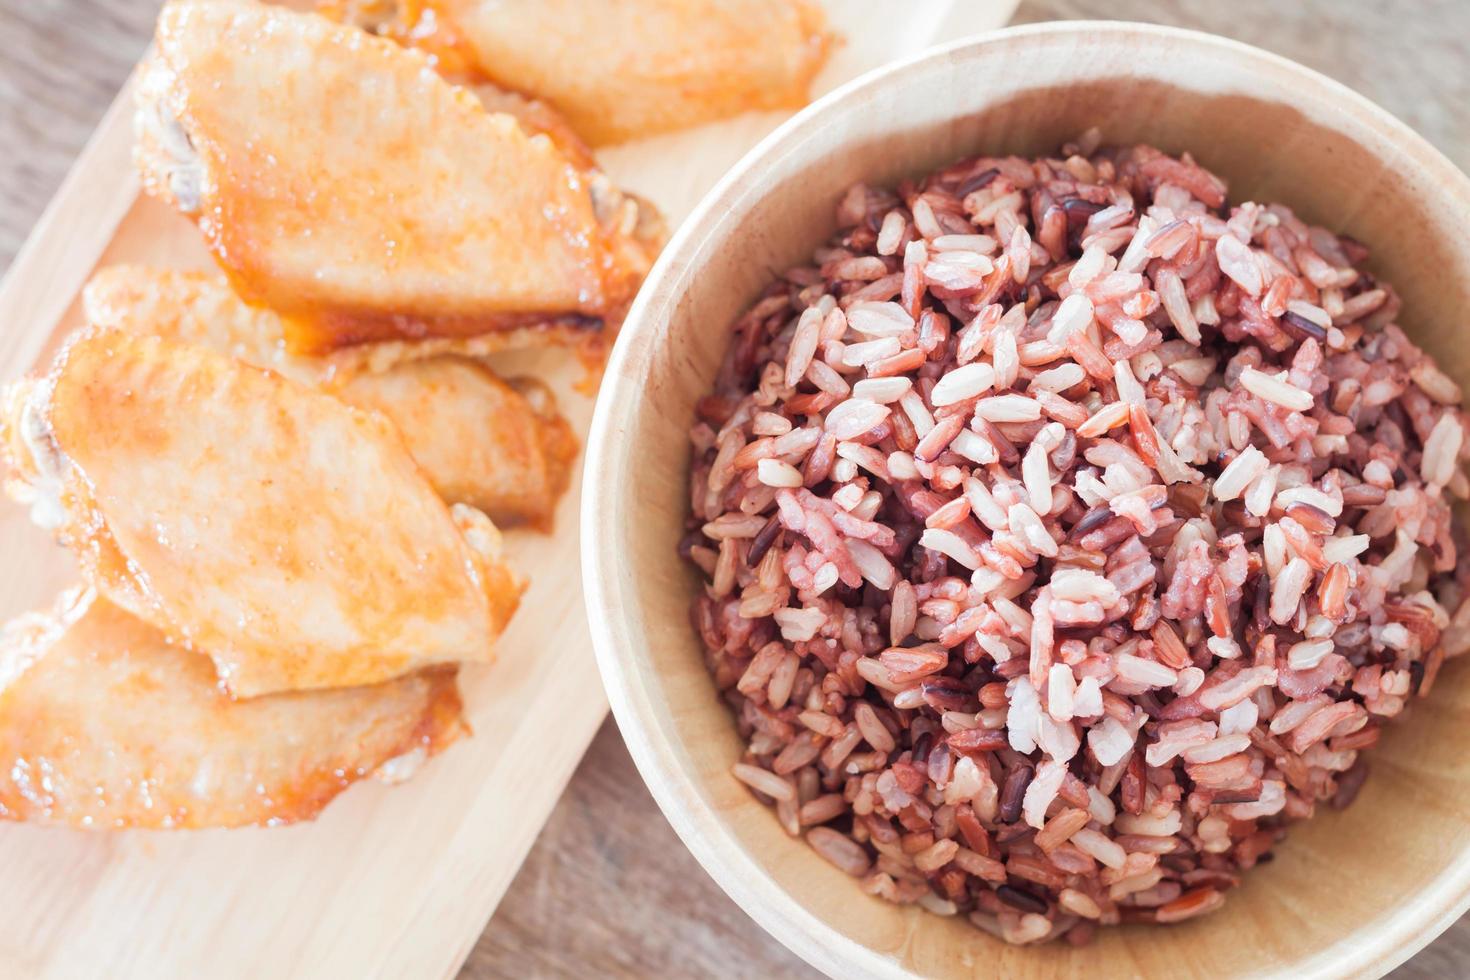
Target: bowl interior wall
[1275,133]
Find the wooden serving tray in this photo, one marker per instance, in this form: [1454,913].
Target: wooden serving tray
[388,881]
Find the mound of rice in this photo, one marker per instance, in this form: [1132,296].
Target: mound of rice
[1066,535]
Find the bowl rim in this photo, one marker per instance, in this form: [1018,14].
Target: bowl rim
[1388,943]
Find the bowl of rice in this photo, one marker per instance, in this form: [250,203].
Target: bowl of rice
[1020,525]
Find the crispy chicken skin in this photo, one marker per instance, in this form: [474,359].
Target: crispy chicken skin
[104,724]
[536,116]
[619,69]
[500,447]
[342,182]
[196,307]
[411,24]
[288,535]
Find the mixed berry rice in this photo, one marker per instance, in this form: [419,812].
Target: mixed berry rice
[1066,533]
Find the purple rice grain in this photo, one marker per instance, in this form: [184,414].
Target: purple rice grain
[1014,793]
[1019,898]
[1302,328]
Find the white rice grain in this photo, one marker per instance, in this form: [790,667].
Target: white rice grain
[1087,702]
[1308,654]
[1129,390]
[854,417]
[1441,450]
[1344,548]
[1262,491]
[1061,689]
[872,564]
[1106,851]
[865,353]
[1007,361]
[1059,378]
[1148,673]
[890,232]
[1239,263]
[1006,408]
[1326,503]
[1287,590]
[879,319]
[972,243]
[882,390]
[1073,315]
[950,545]
[1235,477]
[1109,741]
[803,345]
[974,447]
[1042,790]
[1276,389]
[1082,585]
[969,381]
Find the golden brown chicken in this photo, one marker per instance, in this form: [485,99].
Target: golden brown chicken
[409,23]
[499,446]
[535,117]
[619,69]
[414,23]
[104,724]
[343,183]
[288,535]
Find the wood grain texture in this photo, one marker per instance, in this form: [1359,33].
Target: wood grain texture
[385,883]
[609,889]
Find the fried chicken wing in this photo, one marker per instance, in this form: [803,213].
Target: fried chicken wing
[536,116]
[200,308]
[104,724]
[499,446]
[343,183]
[619,69]
[410,24]
[286,534]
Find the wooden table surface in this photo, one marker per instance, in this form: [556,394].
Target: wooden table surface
[608,889]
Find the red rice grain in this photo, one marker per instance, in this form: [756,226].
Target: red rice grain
[1066,535]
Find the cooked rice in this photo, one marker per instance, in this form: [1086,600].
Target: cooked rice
[1066,535]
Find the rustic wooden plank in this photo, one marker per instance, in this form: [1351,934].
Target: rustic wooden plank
[63,64]
[618,895]
[385,883]
[1409,58]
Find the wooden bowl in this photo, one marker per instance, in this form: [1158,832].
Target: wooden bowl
[1349,894]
